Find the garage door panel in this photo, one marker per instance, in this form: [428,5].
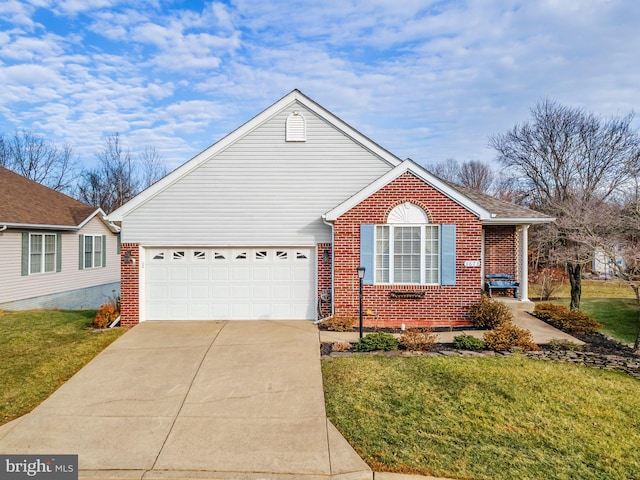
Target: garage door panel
[199,273]
[230,283]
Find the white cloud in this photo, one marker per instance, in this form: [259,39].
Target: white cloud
[427,80]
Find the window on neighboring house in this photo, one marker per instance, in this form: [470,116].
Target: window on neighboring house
[92,251]
[42,253]
[408,249]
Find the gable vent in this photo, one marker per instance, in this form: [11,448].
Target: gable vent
[296,128]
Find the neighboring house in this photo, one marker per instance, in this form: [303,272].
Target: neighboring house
[55,252]
[603,266]
[273,220]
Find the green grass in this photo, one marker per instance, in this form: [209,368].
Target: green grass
[486,418]
[611,303]
[39,351]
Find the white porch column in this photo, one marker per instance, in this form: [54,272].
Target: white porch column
[524,263]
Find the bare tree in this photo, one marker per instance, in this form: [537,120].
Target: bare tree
[447,170]
[114,181]
[477,176]
[568,162]
[152,167]
[471,174]
[33,157]
[615,233]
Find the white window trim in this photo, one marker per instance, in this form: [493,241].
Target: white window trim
[43,270]
[423,273]
[93,251]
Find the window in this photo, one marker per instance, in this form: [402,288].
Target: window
[407,254]
[92,251]
[408,250]
[43,252]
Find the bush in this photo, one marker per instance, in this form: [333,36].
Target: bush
[566,320]
[377,341]
[339,323]
[507,336]
[468,342]
[546,281]
[564,345]
[105,316]
[340,346]
[418,339]
[490,313]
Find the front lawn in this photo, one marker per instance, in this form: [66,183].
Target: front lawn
[486,417]
[610,302]
[39,351]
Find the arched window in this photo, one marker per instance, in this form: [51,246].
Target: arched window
[407,248]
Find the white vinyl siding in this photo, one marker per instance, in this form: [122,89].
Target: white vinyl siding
[261,190]
[16,286]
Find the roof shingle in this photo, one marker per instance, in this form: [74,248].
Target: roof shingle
[25,202]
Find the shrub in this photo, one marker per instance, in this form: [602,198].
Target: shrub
[507,336]
[564,345]
[490,313]
[340,346]
[377,341]
[105,316]
[418,339]
[546,281]
[566,320]
[468,342]
[339,323]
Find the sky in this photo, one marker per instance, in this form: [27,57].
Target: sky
[427,80]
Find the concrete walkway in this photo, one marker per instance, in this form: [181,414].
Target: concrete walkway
[204,400]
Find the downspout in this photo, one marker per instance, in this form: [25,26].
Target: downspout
[3,228]
[324,220]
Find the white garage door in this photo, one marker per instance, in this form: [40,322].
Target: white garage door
[230,284]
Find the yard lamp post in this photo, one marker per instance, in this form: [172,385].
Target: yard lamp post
[361,271]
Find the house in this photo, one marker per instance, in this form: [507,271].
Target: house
[55,252]
[273,220]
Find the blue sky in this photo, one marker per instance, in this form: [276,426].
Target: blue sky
[429,80]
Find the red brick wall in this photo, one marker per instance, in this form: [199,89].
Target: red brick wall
[442,305]
[500,249]
[324,275]
[130,285]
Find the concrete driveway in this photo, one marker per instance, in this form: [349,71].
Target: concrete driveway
[205,400]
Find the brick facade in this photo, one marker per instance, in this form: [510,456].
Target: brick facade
[442,305]
[500,249]
[130,285]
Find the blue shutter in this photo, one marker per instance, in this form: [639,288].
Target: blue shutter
[448,254]
[366,252]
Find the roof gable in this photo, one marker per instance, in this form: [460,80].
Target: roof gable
[24,202]
[244,130]
[486,208]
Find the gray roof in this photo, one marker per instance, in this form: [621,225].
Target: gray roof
[502,212]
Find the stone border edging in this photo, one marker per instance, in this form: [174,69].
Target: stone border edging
[628,365]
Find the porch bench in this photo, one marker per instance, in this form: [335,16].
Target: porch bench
[501,281]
